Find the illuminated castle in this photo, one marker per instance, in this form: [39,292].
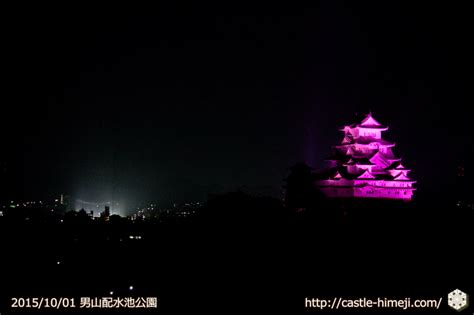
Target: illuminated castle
[364,166]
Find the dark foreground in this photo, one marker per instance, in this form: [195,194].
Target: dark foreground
[262,261]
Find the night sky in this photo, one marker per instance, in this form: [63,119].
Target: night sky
[168,103]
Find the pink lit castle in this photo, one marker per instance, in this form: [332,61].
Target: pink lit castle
[364,166]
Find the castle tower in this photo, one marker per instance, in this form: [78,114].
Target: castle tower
[364,166]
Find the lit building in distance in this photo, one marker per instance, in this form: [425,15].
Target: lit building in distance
[106,214]
[364,166]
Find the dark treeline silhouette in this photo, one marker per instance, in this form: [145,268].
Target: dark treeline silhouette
[251,251]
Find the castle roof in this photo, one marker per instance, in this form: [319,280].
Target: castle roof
[397,165]
[369,140]
[364,140]
[366,175]
[368,122]
[350,162]
[400,166]
[401,176]
[394,159]
[342,173]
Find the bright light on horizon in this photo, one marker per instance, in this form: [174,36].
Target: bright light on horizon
[98,207]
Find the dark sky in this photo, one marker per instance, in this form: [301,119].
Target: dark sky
[169,103]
